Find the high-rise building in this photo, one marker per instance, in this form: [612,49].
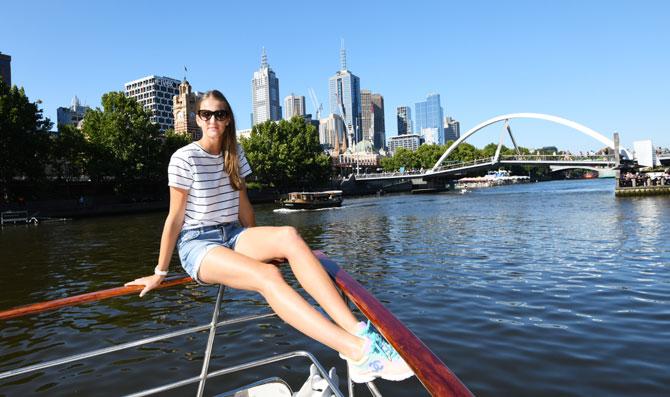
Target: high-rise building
[72,115]
[155,94]
[404,117]
[6,69]
[378,123]
[367,116]
[332,134]
[407,141]
[429,115]
[452,129]
[344,90]
[184,109]
[294,105]
[265,93]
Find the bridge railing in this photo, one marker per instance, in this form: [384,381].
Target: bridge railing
[558,157]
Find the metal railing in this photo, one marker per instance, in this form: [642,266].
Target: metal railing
[205,374]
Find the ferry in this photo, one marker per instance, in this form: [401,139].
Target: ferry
[434,375]
[312,200]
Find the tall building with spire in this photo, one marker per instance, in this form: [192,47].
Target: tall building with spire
[344,91]
[265,93]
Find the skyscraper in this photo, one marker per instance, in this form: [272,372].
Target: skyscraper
[404,117]
[452,129]
[345,98]
[378,124]
[6,68]
[155,94]
[366,116]
[294,105]
[265,93]
[429,115]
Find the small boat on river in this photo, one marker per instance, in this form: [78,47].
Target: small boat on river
[312,200]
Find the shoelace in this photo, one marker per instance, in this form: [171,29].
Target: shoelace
[380,344]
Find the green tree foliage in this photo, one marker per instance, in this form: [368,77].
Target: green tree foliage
[24,137]
[287,154]
[123,143]
[69,153]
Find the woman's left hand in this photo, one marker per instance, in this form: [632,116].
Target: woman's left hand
[149,282]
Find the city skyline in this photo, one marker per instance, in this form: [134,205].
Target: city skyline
[601,64]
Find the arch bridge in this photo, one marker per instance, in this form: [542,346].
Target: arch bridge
[442,168]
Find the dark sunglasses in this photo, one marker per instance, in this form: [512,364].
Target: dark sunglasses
[219,115]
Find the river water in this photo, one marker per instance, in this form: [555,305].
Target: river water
[546,289]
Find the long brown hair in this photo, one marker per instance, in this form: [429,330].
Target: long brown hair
[231,163]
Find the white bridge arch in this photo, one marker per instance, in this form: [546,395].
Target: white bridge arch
[555,119]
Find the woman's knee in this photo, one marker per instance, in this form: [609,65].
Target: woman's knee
[269,277]
[289,235]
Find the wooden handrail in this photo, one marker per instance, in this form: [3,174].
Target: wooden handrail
[435,376]
[84,298]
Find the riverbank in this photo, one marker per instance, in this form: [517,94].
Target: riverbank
[87,206]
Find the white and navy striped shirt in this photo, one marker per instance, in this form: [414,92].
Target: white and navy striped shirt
[211,198]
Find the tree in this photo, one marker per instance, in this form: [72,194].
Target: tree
[24,137]
[123,142]
[69,152]
[287,154]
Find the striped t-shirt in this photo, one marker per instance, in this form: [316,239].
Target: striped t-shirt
[211,198]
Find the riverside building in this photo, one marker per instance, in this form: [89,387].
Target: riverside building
[344,92]
[294,105]
[407,141]
[184,109]
[6,68]
[265,94]
[155,93]
[72,115]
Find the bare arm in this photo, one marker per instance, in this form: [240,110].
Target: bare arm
[171,229]
[246,216]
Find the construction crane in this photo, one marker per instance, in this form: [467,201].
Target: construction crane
[315,102]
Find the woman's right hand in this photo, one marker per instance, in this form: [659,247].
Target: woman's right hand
[149,282]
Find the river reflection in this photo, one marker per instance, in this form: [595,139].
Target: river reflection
[548,289]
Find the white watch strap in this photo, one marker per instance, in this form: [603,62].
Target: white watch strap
[160,272]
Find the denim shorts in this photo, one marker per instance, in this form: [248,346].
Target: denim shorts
[194,244]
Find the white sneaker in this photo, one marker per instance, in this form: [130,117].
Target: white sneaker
[378,362]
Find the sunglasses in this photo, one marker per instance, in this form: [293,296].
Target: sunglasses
[219,115]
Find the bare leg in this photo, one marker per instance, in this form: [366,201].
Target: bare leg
[267,243]
[224,266]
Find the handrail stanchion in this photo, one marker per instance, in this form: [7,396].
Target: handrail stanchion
[210,342]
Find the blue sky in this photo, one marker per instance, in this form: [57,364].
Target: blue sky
[604,64]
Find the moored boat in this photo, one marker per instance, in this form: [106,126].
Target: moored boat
[312,200]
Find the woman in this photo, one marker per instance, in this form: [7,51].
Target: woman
[208,202]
